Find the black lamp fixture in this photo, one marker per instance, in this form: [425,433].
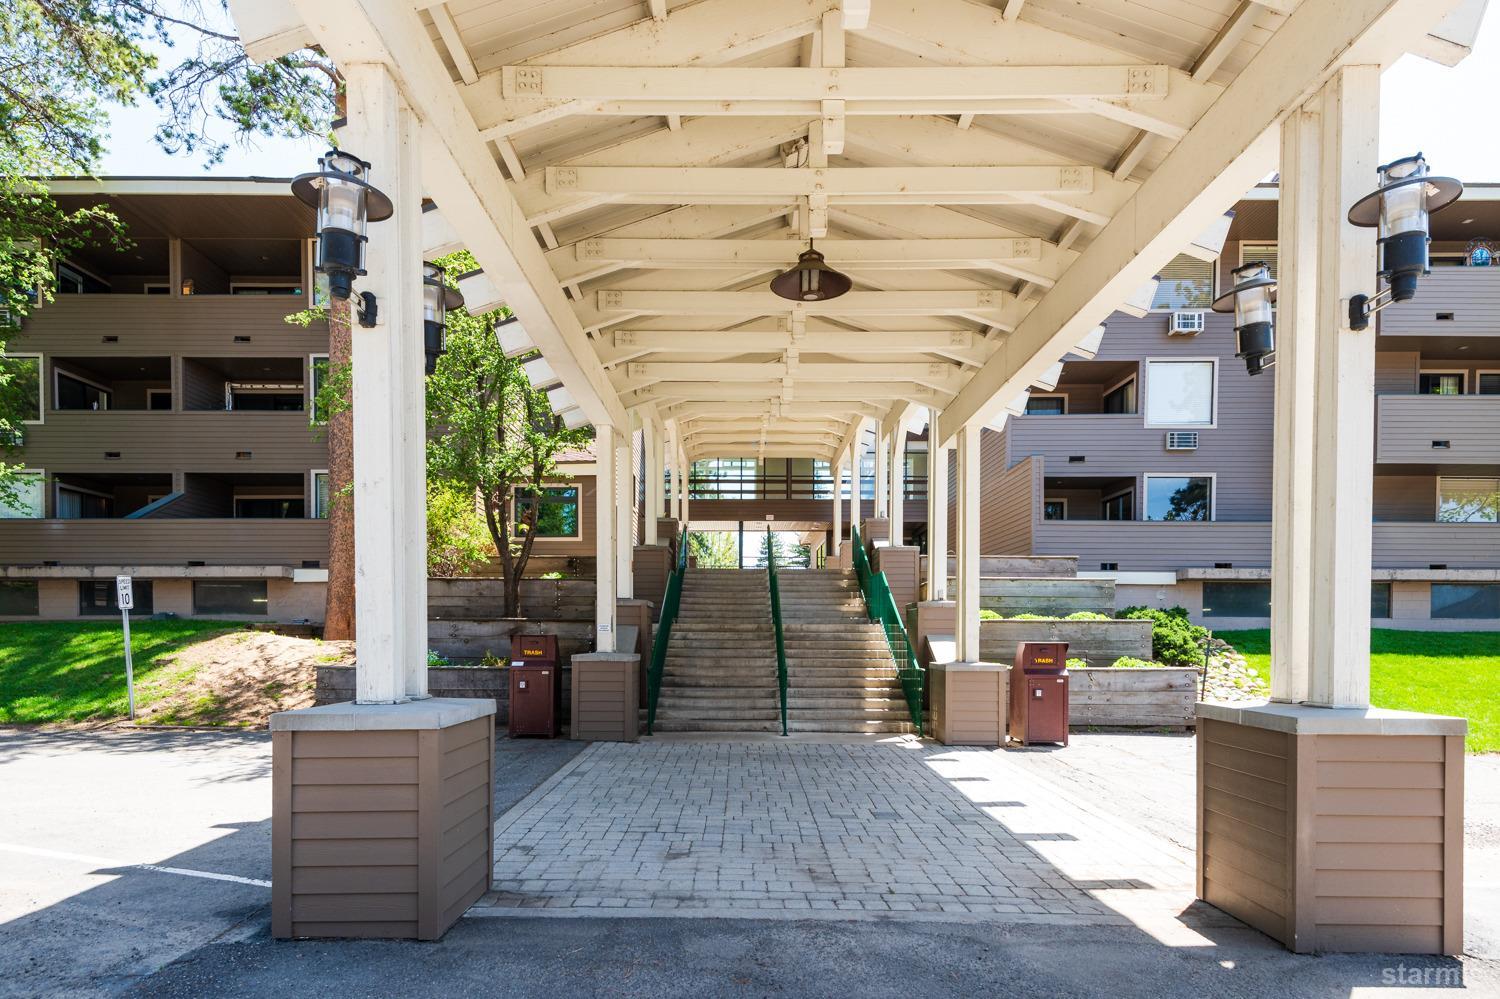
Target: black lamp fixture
[1251,300]
[346,202]
[1400,207]
[437,299]
[811,280]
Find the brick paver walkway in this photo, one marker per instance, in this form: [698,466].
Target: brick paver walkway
[829,829]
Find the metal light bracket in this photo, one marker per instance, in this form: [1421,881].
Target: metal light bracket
[367,309]
[1362,307]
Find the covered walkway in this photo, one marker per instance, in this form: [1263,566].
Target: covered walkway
[841,829]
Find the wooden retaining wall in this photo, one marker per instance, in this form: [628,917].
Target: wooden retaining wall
[1151,697]
[1100,642]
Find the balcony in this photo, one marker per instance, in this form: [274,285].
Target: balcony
[1437,429]
[163,542]
[147,325]
[118,441]
[1451,301]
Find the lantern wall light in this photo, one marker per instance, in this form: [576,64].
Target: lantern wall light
[1400,208]
[437,299]
[1252,300]
[811,280]
[346,203]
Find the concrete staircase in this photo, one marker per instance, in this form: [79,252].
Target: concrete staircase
[720,670]
[841,677]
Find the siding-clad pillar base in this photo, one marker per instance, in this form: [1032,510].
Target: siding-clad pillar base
[969,703]
[652,565]
[381,817]
[606,697]
[929,619]
[1334,829]
[876,531]
[900,565]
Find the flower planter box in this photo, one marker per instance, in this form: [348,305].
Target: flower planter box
[1100,642]
[1163,697]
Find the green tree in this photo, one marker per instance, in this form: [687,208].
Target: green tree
[492,434]
[458,538]
[712,549]
[788,555]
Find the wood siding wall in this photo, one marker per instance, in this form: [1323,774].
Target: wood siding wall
[163,542]
[380,833]
[166,442]
[1009,501]
[1471,295]
[1406,426]
[161,325]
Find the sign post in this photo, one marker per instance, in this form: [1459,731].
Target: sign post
[125,597]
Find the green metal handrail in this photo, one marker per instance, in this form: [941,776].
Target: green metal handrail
[881,607]
[669,606]
[776,620]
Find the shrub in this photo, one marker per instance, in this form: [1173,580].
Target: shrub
[985,614]
[1175,640]
[1130,662]
[1078,663]
[436,660]
[1032,617]
[1087,616]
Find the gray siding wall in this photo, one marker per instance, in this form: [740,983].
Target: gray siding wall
[1008,503]
[1406,498]
[1155,546]
[164,442]
[1407,425]
[160,325]
[1396,371]
[1238,449]
[1470,294]
[163,542]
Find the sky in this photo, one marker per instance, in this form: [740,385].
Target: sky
[1424,107]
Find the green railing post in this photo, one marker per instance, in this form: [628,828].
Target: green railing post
[669,606]
[776,622]
[880,605]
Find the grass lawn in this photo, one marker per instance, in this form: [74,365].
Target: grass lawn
[1445,673]
[75,670]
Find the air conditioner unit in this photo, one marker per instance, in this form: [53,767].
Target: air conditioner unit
[1186,324]
[1182,440]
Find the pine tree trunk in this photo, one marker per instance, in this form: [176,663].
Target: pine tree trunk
[338,614]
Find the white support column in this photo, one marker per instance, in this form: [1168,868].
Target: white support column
[856,469]
[1342,403]
[652,443]
[966,628]
[838,508]
[896,497]
[390,542]
[882,476]
[625,492]
[687,487]
[676,498]
[606,523]
[937,511]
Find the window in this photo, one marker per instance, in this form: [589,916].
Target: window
[1179,497]
[269,507]
[1380,599]
[320,495]
[1055,509]
[229,596]
[99,596]
[263,397]
[73,392]
[28,497]
[264,289]
[1180,393]
[1047,405]
[1186,283]
[557,515]
[74,503]
[18,598]
[1441,383]
[1468,500]
[159,399]
[1236,599]
[318,368]
[1120,506]
[1120,399]
[1466,600]
[1489,383]
[21,388]
[1259,251]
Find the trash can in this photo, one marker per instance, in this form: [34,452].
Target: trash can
[535,686]
[1039,693]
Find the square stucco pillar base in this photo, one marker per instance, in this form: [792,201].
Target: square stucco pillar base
[606,696]
[969,703]
[381,817]
[1334,829]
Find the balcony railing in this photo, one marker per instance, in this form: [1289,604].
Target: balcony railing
[155,325]
[164,542]
[1438,429]
[148,441]
[1451,301]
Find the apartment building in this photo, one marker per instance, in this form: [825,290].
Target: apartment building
[169,430]
[1152,461]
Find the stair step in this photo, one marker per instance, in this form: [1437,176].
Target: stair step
[877,726]
[715,725]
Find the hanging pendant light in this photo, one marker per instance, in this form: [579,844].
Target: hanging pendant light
[812,280]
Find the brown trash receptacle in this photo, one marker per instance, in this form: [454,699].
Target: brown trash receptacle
[535,686]
[1039,693]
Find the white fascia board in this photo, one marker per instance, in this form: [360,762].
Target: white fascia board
[560,399]
[539,372]
[269,29]
[514,340]
[573,419]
